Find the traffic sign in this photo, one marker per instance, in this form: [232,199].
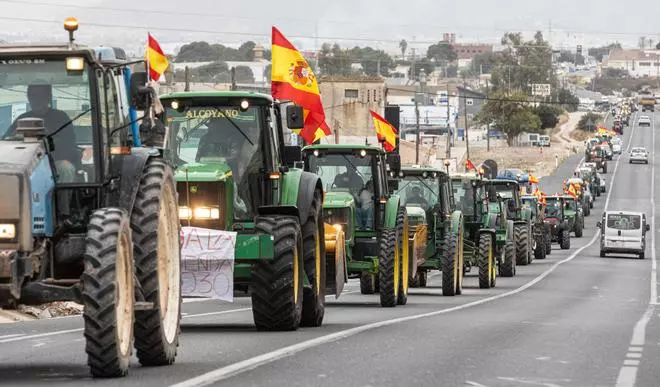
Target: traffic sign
[541,89]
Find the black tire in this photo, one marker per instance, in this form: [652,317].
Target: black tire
[313,238]
[413,282]
[508,268]
[403,241]
[108,309]
[602,254]
[450,265]
[154,223]
[605,167]
[547,241]
[367,283]
[423,278]
[641,255]
[388,270]
[579,228]
[486,261]
[565,241]
[276,297]
[521,238]
[539,252]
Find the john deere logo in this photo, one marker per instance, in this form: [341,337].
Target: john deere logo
[193,189]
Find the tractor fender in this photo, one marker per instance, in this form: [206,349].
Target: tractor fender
[455,221]
[391,211]
[509,230]
[297,190]
[127,170]
[490,231]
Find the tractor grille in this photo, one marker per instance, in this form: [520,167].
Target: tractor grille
[204,194]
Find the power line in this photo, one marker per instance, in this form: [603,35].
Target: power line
[311,21]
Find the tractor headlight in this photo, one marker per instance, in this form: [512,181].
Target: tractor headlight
[206,213]
[7,231]
[185,213]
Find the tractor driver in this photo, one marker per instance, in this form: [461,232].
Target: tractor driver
[349,179]
[417,198]
[67,155]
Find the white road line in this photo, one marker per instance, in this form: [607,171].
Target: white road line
[634,355]
[628,373]
[269,357]
[8,336]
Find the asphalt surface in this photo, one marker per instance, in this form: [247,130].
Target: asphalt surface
[573,319]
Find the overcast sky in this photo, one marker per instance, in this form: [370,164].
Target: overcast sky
[358,22]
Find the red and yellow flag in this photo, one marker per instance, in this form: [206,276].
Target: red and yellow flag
[293,79]
[533,179]
[469,166]
[156,59]
[386,133]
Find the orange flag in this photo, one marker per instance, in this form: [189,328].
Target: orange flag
[386,133]
[293,79]
[156,59]
[533,179]
[469,166]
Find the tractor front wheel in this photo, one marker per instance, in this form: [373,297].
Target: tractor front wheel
[158,265]
[451,265]
[539,251]
[314,261]
[521,237]
[108,293]
[579,227]
[403,248]
[367,283]
[508,268]
[486,262]
[388,268]
[277,283]
[565,240]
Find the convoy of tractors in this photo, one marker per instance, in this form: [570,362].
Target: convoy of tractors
[217,166]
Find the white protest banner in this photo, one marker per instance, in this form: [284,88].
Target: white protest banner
[207,258]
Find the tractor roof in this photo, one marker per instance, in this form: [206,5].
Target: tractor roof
[467,176]
[216,94]
[418,169]
[338,148]
[60,50]
[504,181]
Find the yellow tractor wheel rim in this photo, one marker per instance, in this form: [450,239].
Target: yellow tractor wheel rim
[491,267]
[397,266]
[405,272]
[296,277]
[317,262]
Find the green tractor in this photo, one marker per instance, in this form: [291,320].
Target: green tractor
[374,220]
[556,219]
[488,242]
[509,191]
[574,215]
[234,185]
[540,231]
[436,228]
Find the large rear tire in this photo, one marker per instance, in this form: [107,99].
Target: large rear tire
[539,252]
[565,241]
[521,237]
[451,265]
[486,261]
[388,268]
[367,283]
[315,261]
[108,293]
[508,268]
[579,227]
[155,229]
[277,284]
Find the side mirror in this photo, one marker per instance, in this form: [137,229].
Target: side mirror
[394,161]
[139,92]
[392,185]
[648,227]
[599,225]
[292,155]
[295,118]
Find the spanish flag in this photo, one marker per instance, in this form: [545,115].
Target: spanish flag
[469,166]
[533,179]
[293,79]
[386,133]
[156,59]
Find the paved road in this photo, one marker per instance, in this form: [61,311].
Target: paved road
[565,321]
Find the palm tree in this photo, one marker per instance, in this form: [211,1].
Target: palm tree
[403,45]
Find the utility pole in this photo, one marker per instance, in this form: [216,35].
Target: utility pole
[187,78]
[488,125]
[467,141]
[233,78]
[413,73]
[448,150]
[417,131]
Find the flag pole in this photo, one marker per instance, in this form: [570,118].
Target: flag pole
[146,57]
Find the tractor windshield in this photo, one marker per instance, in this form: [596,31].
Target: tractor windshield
[418,191]
[225,136]
[464,196]
[572,205]
[553,209]
[42,88]
[348,173]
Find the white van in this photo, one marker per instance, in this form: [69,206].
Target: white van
[623,232]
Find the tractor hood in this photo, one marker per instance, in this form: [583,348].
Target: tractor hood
[217,171]
[334,199]
[551,221]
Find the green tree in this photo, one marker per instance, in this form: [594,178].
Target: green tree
[215,72]
[483,63]
[333,60]
[246,51]
[589,122]
[510,114]
[451,71]
[403,46]
[549,115]
[442,53]
[371,60]
[600,52]
[198,52]
[425,64]
[616,73]
[244,74]
[566,56]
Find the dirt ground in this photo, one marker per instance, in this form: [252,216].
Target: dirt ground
[538,161]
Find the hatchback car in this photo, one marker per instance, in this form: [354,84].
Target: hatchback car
[616,145]
[644,121]
[639,155]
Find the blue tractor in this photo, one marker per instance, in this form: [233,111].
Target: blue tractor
[89,210]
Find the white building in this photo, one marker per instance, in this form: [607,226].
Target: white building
[638,63]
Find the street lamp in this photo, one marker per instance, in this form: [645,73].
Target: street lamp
[447,163]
